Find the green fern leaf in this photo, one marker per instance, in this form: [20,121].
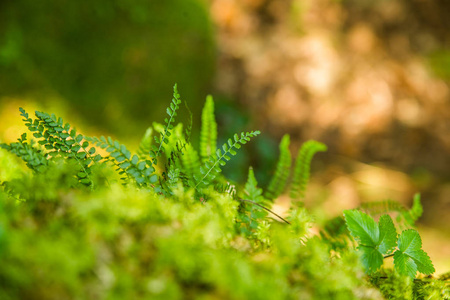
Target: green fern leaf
[208,133]
[141,171]
[191,162]
[302,167]
[279,179]
[34,158]
[251,188]
[212,167]
[172,113]
[146,144]
[412,215]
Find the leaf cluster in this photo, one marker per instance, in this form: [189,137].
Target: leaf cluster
[377,241]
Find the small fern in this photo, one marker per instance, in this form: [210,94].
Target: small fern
[302,168]
[279,179]
[251,213]
[208,133]
[145,145]
[190,161]
[169,121]
[212,167]
[34,158]
[405,217]
[413,214]
[142,171]
[59,140]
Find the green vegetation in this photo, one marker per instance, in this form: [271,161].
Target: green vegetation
[92,220]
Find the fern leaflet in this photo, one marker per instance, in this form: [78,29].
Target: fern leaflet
[211,167]
[142,171]
[279,179]
[302,167]
[172,113]
[208,133]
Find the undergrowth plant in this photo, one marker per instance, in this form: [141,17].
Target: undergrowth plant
[165,223]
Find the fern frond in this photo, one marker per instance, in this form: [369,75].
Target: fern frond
[403,214]
[251,188]
[33,157]
[382,207]
[188,131]
[172,113]
[190,161]
[302,167]
[208,133]
[142,171]
[413,214]
[279,179]
[146,144]
[59,140]
[210,169]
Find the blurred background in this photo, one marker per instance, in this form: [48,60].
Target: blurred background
[371,79]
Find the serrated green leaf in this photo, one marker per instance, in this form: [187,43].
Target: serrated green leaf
[410,258]
[371,258]
[388,234]
[362,227]
[404,264]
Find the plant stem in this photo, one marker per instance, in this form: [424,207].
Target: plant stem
[265,208]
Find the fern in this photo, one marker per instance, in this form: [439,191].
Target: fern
[210,169]
[208,134]
[142,171]
[145,145]
[190,161]
[34,158]
[302,167]
[405,218]
[413,214]
[251,212]
[59,140]
[279,179]
[172,113]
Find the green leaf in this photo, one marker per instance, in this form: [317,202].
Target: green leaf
[135,159]
[125,165]
[410,258]
[388,234]
[374,240]
[372,258]
[81,154]
[362,227]
[404,264]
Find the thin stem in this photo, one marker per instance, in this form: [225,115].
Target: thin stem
[390,255]
[265,208]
